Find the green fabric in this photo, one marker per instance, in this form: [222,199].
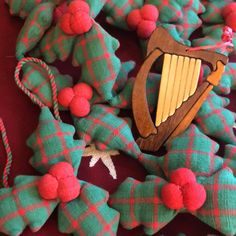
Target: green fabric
[124,98]
[53,142]
[96,6]
[212,35]
[212,15]
[34,28]
[95,53]
[230,157]
[90,211]
[21,204]
[191,149]
[36,80]
[215,120]
[55,45]
[117,11]
[23,8]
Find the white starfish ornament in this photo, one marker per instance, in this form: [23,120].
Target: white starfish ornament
[105,157]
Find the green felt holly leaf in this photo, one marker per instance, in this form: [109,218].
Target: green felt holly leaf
[52,142]
[22,206]
[34,28]
[215,120]
[139,203]
[36,80]
[89,214]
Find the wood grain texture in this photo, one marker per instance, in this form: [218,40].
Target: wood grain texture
[161,42]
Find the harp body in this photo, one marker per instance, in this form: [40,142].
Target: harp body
[180,97]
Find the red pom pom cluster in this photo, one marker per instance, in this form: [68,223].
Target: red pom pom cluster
[60,183]
[143,20]
[183,191]
[77,18]
[76,99]
[229,14]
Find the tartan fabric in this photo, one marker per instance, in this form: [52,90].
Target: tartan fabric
[21,206]
[194,150]
[219,210]
[120,81]
[215,120]
[89,214]
[96,6]
[230,157]
[34,28]
[213,15]
[56,45]
[117,11]
[139,203]
[212,35]
[53,142]
[182,13]
[95,53]
[124,98]
[36,80]
[109,132]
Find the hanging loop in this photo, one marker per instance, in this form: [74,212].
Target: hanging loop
[51,77]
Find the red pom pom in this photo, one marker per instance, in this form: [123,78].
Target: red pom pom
[133,19]
[182,176]
[79,106]
[68,189]
[149,12]
[47,187]
[171,196]
[145,29]
[230,8]
[65,96]
[194,196]
[62,170]
[231,20]
[77,19]
[83,90]
[79,5]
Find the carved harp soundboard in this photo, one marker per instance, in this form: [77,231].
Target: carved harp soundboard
[180,96]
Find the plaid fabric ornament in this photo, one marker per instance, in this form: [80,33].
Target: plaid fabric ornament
[58,186]
[117,11]
[21,206]
[124,98]
[34,28]
[213,13]
[141,203]
[35,79]
[212,36]
[230,157]
[95,53]
[215,120]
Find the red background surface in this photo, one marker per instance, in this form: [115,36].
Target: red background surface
[21,117]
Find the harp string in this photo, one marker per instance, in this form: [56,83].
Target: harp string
[163,88]
[194,82]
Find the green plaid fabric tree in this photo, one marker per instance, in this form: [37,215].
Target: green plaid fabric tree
[140,203]
[22,206]
[35,79]
[230,157]
[215,120]
[53,142]
[34,28]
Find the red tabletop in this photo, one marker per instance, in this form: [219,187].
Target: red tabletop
[21,117]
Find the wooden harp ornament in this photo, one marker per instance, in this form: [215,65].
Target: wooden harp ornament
[180,97]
